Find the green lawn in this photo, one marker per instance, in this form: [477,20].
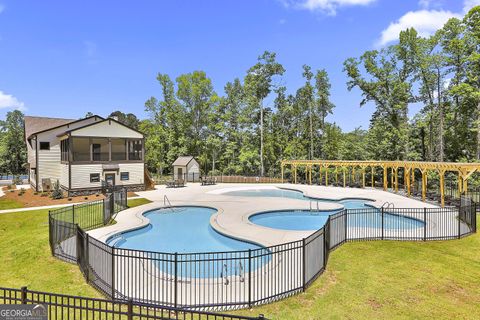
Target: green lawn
[26,260]
[9,204]
[364,280]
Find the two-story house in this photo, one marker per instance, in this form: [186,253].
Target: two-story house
[83,155]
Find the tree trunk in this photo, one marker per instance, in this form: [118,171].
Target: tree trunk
[311,132]
[478,130]
[440,114]
[261,140]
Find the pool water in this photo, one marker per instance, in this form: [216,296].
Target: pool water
[181,230]
[306,220]
[188,230]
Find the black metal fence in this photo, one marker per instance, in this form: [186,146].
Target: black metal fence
[237,279]
[74,307]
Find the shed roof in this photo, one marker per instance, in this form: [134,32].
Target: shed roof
[182,161]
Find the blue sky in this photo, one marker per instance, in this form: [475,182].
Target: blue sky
[64,58]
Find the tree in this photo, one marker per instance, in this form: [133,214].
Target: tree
[258,85]
[128,119]
[13,150]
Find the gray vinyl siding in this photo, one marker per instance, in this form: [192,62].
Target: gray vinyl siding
[81,175]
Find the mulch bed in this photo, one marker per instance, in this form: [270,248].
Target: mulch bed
[31,199]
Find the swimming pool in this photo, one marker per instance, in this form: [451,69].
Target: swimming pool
[306,220]
[185,230]
[351,203]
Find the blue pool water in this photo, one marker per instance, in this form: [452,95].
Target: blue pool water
[188,230]
[307,220]
[182,230]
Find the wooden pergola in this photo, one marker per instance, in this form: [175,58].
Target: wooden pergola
[464,171]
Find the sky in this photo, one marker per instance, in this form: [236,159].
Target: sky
[67,58]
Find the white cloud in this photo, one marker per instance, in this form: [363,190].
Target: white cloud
[426,22]
[327,6]
[469,4]
[9,101]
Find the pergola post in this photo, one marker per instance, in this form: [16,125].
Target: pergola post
[442,187]
[385,178]
[424,184]
[391,179]
[363,177]
[326,176]
[295,174]
[344,177]
[310,175]
[413,178]
[336,176]
[320,175]
[282,171]
[407,181]
[395,170]
[373,178]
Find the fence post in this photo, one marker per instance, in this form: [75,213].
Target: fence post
[459,221]
[130,309]
[24,295]
[424,224]
[113,273]
[383,223]
[304,257]
[87,254]
[175,288]
[346,225]
[73,214]
[249,278]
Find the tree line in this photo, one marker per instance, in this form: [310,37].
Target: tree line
[256,122]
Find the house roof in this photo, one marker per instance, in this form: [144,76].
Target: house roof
[35,125]
[182,161]
[38,124]
[98,122]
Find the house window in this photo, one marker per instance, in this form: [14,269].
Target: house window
[100,149]
[124,176]
[64,149]
[94,177]
[135,150]
[119,149]
[44,145]
[81,149]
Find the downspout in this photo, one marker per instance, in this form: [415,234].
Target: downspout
[37,172]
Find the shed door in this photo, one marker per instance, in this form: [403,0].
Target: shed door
[179,173]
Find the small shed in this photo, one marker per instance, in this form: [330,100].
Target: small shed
[187,168]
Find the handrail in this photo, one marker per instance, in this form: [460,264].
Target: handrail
[165,200]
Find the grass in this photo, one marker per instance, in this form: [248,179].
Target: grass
[391,280]
[26,259]
[363,280]
[9,204]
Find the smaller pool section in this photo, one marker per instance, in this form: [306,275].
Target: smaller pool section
[306,220]
[188,230]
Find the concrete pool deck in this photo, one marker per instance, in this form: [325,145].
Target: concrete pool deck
[233,212]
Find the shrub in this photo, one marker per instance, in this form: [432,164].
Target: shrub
[57,193]
[44,194]
[22,191]
[16,180]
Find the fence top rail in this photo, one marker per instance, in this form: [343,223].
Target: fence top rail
[239,254]
[39,297]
